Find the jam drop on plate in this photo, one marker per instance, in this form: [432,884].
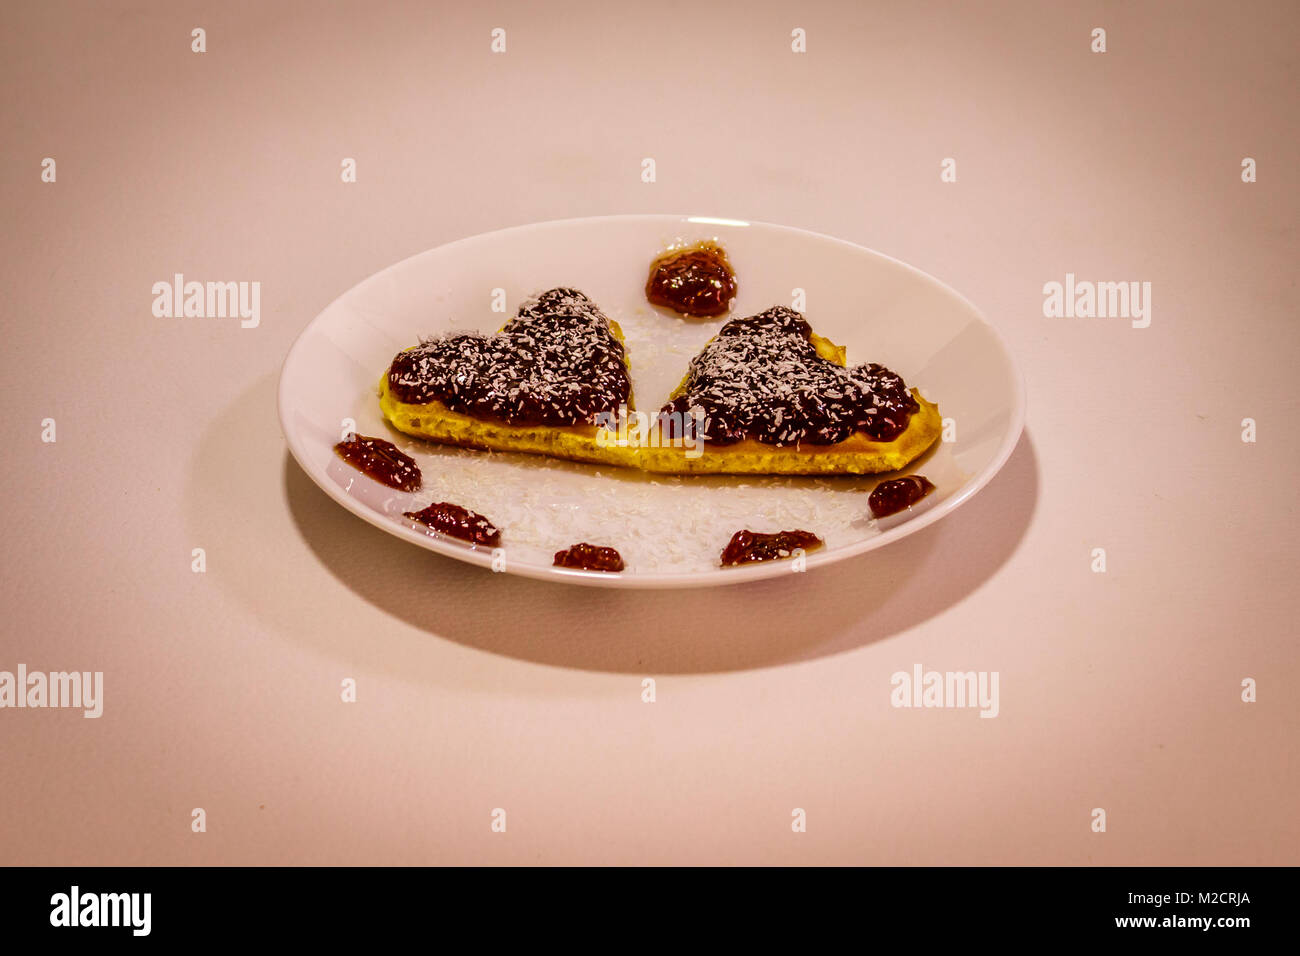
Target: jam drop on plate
[696,280]
[747,546]
[589,557]
[382,461]
[458,522]
[891,497]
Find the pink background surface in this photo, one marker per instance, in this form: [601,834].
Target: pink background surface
[1118,690]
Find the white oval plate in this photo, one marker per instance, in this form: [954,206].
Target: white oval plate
[669,530]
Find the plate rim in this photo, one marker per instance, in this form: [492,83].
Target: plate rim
[688,579]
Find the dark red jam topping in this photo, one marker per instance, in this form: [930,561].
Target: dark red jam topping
[747,546]
[693,281]
[556,363]
[762,378]
[891,497]
[382,461]
[458,522]
[589,557]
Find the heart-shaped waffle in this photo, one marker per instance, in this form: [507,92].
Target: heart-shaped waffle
[767,395]
[764,378]
[559,362]
[540,385]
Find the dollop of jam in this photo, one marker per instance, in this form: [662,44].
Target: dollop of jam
[891,497]
[762,378]
[556,363]
[589,557]
[747,546]
[458,522]
[694,281]
[382,461]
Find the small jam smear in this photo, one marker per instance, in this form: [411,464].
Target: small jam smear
[589,557]
[382,461]
[891,497]
[747,546]
[696,280]
[458,522]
